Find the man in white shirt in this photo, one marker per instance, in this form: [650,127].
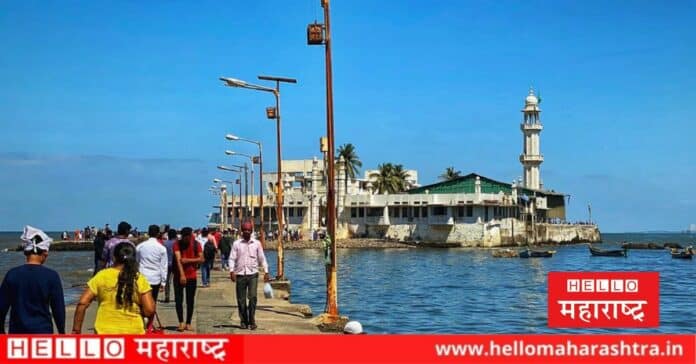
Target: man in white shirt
[152,260]
[245,258]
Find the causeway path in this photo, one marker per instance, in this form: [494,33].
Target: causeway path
[216,312]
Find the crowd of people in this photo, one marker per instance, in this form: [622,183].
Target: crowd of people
[129,277]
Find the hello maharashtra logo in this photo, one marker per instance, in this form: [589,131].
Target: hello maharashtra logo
[603,299]
[65,348]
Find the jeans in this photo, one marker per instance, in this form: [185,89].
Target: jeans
[224,260]
[155,291]
[206,267]
[167,288]
[179,298]
[246,286]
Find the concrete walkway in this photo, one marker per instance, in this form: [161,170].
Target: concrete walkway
[216,312]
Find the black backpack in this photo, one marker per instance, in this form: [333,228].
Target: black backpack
[209,250]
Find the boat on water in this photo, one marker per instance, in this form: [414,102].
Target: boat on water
[528,253]
[687,253]
[673,246]
[429,244]
[635,245]
[607,253]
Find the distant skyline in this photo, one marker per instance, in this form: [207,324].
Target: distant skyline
[113,111]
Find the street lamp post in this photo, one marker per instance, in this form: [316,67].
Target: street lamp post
[251,159]
[239,182]
[224,207]
[260,162]
[271,113]
[216,190]
[317,35]
[243,202]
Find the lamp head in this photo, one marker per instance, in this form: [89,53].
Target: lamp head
[216,180]
[233,82]
[224,168]
[231,137]
[229,152]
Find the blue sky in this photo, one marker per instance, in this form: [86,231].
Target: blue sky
[113,110]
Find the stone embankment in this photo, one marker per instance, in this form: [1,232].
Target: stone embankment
[494,233]
[341,244]
[68,245]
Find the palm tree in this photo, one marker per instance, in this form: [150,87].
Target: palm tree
[401,178]
[390,178]
[351,159]
[450,174]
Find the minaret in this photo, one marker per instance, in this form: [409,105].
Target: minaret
[531,127]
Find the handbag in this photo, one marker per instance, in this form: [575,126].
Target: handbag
[267,290]
[151,330]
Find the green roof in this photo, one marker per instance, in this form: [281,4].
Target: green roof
[464,184]
[467,184]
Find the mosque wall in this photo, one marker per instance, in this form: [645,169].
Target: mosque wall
[506,232]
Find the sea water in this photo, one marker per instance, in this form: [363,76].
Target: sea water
[443,290]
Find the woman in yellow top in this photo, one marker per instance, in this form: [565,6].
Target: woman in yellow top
[123,293]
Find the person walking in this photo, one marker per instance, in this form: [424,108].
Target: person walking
[123,293]
[245,257]
[152,263]
[122,232]
[187,256]
[28,291]
[209,252]
[98,243]
[225,248]
[169,245]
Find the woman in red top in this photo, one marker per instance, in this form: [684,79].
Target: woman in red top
[188,255]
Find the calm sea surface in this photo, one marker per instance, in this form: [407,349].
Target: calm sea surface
[446,290]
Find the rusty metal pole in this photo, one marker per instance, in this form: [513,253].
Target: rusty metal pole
[239,209]
[279,202]
[246,192]
[331,270]
[223,202]
[279,197]
[262,238]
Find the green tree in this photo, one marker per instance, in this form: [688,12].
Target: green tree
[450,174]
[390,178]
[353,163]
[401,178]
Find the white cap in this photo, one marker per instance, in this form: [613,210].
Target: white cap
[28,236]
[353,327]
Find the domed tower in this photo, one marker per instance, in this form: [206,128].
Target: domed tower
[531,128]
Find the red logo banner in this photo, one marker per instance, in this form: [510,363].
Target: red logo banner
[483,349]
[603,299]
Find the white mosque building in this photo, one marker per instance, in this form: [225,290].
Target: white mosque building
[472,210]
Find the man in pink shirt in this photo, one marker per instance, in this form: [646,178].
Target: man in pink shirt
[245,258]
